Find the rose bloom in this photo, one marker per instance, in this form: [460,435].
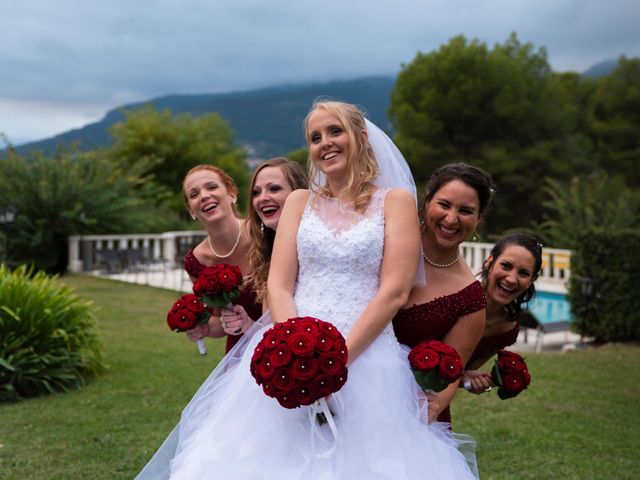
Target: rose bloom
[341,349]
[422,358]
[183,319]
[280,356]
[513,383]
[302,344]
[324,384]
[306,394]
[193,303]
[282,381]
[307,325]
[441,347]
[324,343]
[287,400]
[303,369]
[265,370]
[451,367]
[331,363]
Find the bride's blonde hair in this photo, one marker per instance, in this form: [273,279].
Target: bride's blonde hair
[361,162]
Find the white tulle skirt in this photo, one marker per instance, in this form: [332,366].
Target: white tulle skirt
[231,430]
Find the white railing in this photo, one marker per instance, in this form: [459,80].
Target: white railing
[167,248]
[556,264]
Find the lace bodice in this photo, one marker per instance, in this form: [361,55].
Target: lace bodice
[339,258]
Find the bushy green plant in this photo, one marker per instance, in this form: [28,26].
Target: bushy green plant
[605,274]
[48,336]
[585,205]
[73,194]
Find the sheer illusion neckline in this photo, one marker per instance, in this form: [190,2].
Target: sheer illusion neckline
[339,217]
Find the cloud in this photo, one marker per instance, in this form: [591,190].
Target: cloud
[81,56]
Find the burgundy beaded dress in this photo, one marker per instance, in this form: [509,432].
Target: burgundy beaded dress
[247,297]
[432,320]
[488,346]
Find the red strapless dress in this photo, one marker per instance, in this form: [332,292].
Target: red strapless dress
[246,299]
[432,320]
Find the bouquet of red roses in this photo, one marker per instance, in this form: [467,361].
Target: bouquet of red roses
[218,285]
[510,374]
[300,361]
[187,312]
[435,365]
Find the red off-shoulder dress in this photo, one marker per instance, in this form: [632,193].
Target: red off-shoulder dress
[432,320]
[246,299]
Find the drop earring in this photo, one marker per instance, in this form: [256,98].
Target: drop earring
[261,228]
[475,237]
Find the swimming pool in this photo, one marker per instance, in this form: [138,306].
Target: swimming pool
[550,307]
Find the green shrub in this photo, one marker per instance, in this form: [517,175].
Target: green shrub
[48,336]
[605,274]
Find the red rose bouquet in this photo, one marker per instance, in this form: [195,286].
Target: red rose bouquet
[435,365]
[187,312]
[510,374]
[218,285]
[300,361]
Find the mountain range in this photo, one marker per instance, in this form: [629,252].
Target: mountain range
[267,122]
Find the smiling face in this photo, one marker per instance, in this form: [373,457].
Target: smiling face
[328,142]
[510,274]
[207,196]
[452,214]
[268,194]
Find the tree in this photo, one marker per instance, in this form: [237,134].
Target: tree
[502,109]
[593,204]
[615,122]
[167,146]
[73,194]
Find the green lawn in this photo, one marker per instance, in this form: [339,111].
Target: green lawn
[579,419]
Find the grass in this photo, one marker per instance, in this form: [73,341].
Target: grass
[578,420]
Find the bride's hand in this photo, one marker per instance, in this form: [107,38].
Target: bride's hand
[197,332]
[435,406]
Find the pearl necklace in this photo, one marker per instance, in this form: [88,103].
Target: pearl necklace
[233,249]
[442,265]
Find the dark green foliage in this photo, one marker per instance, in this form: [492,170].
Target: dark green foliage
[615,120]
[73,194]
[165,147]
[502,109]
[605,274]
[48,337]
[585,205]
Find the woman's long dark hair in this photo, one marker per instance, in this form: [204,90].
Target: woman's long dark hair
[533,246]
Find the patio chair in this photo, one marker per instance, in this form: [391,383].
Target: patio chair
[529,320]
[110,260]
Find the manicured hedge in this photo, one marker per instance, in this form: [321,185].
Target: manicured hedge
[609,263]
[48,336]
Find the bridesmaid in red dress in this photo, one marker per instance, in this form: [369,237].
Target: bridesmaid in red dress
[270,185]
[450,307]
[210,195]
[508,277]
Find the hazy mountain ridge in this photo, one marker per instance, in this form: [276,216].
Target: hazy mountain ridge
[268,120]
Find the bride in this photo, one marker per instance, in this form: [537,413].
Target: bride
[346,251]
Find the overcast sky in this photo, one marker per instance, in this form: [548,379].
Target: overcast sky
[64,63]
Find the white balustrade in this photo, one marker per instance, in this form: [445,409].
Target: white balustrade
[164,247]
[168,248]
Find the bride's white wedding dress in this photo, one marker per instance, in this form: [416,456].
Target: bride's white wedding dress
[232,430]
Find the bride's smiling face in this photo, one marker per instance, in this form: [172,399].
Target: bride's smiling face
[328,142]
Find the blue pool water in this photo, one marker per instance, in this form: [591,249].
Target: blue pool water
[550,307]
